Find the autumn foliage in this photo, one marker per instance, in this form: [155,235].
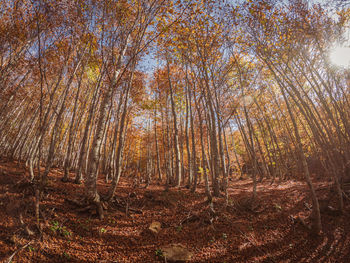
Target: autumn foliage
[197,94]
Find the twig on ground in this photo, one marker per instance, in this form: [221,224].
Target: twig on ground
[346,196]
[9,260]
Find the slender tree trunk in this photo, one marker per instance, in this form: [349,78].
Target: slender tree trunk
[194,155]
[83,151]
[176,132]
[204,158]
[189,159]
[122,132]
[156,144]
[316,215]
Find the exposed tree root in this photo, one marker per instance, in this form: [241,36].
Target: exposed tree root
[91,206]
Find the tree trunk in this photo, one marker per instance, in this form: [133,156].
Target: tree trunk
[176,132]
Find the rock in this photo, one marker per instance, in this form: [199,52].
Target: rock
[155,227]
[176,253]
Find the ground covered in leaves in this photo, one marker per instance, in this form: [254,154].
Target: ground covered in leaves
[266,231]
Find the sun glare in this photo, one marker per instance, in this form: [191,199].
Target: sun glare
[340,56]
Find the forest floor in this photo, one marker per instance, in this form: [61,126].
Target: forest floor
[239,232]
